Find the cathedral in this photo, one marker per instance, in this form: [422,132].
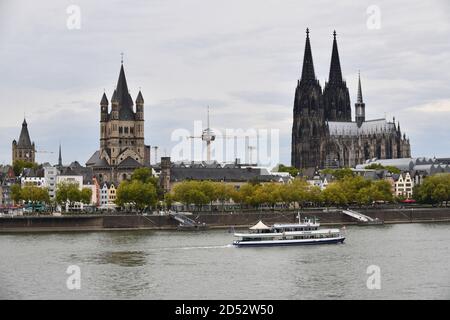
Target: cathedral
[122,146]
[23,149]
[323,133]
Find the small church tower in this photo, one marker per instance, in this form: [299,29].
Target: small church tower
[23,149]
[360,106]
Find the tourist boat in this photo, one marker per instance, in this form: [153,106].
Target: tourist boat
[301,233]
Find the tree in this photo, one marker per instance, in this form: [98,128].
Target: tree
[224,192]
[32,194]
[334,195]
[340,174]
[19,165]
[292,170]
[434,189]
[377,166]
[67,193]
[16,195]
[86,195]
[137,194]
[142,174]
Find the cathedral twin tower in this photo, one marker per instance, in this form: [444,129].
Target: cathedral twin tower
[323,134]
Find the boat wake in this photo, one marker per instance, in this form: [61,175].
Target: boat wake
[206,247]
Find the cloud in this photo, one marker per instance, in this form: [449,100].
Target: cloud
[441,106]
[243,58]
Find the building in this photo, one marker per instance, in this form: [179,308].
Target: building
[23,149]
[235,174]
[323,133]
[108,194]
[122,145]
[404,186]
[418,168]
[33,181]
[50,175]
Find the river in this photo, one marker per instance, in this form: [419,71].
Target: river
[413,261]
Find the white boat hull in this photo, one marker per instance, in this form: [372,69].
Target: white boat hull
[240,243]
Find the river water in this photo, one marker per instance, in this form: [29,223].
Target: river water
[413,262]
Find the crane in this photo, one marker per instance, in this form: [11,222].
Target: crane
[250,150]
[208,136]
[156,154]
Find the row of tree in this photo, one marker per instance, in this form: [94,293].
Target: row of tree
[66,193]
[342,192]
[434,189]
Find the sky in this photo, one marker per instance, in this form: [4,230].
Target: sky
[242,58]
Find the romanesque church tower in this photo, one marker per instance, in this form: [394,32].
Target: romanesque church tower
[23,149]
[309,128]
[122,145]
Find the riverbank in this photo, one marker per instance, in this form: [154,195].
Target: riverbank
[87,223]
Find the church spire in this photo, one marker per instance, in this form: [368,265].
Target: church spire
[308,66]
[60,157]
[122,97]
[360,98]
[24,138]
[360,107]
[335,66]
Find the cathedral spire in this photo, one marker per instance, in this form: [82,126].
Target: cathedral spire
[335,66]
[308,66]
[360,98]
[360,107]
[60,157]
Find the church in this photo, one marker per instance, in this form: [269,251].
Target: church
[323,133]
[122,145]
[23,149]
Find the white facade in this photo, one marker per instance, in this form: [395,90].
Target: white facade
[78,180]
[50,175]
[404,186]
[35,181]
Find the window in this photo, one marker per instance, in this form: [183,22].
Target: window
[126,130]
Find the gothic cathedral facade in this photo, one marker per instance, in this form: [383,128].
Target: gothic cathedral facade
[323,133]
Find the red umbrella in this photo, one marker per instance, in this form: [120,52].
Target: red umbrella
[409,201]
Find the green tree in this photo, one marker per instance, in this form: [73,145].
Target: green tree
[334,195]
[142,174]
[136,194]
[34,195]
[16,193]
[19,165]
[292,170]
[86,195]
[67,193]
[377,166]
[434,189]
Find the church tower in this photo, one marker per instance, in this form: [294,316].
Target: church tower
[309,128]
[360,106]
[335,94]
[122,146]
[23,149]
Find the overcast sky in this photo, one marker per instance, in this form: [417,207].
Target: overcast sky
[243,58]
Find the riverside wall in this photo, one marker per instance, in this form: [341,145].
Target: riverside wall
[215,220]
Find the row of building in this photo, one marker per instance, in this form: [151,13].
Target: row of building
[412,172]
